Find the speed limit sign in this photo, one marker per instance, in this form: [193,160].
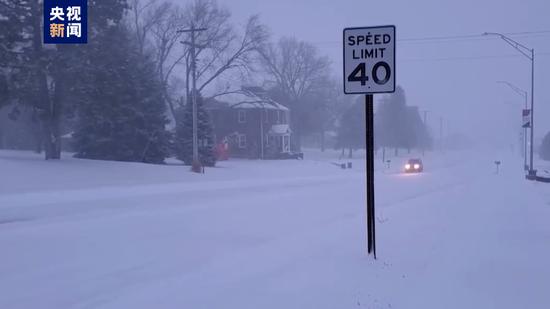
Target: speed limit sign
[369,68]
[369,60]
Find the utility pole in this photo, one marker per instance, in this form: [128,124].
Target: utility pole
[532,172]
[262,114]
[441,133]
[426,118]
[196,165]
[425,126]
[529,53]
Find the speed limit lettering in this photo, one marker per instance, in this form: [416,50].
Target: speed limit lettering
[369,60]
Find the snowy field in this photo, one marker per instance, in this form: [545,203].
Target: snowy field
[274,234]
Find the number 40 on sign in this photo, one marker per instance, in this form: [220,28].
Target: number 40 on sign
[369,60]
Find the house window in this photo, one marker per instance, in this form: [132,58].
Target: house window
[242,116]
[242,141]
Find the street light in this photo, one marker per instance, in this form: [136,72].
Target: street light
[523,93]
[530,54]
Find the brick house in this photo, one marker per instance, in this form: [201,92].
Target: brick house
[247,119]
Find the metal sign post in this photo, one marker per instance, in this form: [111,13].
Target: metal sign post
[369,68]
[371,222]
[526,123]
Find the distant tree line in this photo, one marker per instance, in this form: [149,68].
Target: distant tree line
[351,129]
[397,125]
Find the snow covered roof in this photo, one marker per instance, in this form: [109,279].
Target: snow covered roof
[246,99]
[279,129]
[68,135]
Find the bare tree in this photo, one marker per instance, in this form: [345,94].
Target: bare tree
[221,49]
[144,15]
[165,43]
[155,24]
[296,67]
[298,71]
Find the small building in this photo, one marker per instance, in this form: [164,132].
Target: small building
[248,119]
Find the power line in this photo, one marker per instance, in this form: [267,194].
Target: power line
[527,32]
[437,38]
[455,38]
[473,39]
[468,58]
[472,36]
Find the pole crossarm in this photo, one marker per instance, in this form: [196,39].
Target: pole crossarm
[191,30]
[191,44]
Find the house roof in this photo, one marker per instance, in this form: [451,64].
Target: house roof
[244,99]
[280,129]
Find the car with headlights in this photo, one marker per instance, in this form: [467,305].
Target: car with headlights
[414,166]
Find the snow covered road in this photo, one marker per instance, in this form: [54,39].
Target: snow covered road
[286,234]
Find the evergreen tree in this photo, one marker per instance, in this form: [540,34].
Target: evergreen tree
[44,79]
[391,119]
[184,134]
[422,135]
[351,130]
[545,148]
[14,15]
[30,78]
[121,115]
[4,89]
[399,125]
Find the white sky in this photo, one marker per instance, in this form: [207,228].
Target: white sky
[464,92]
